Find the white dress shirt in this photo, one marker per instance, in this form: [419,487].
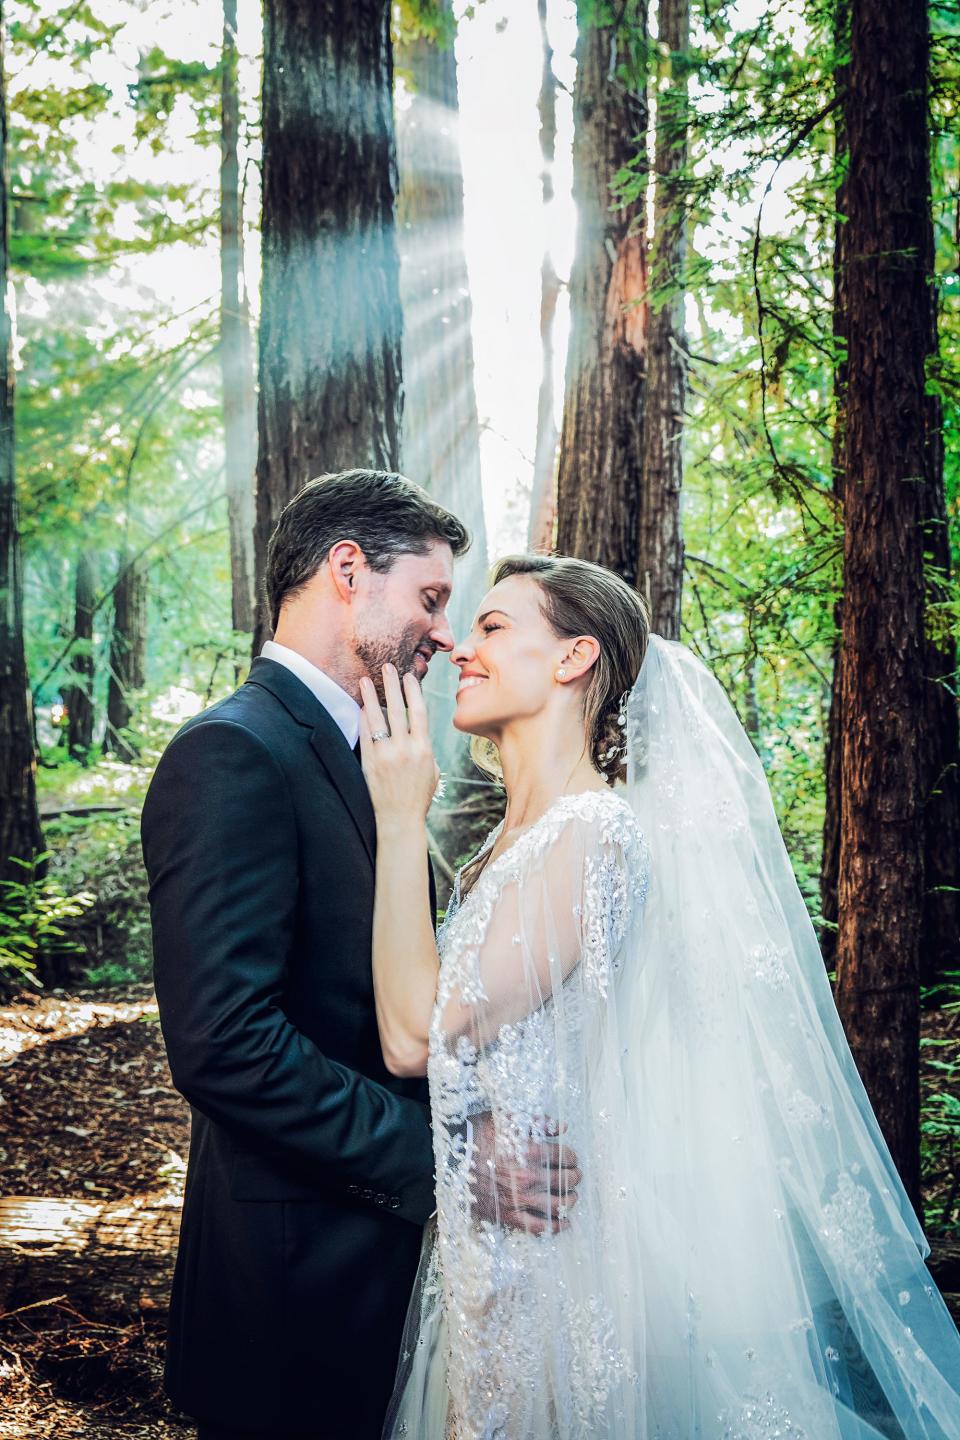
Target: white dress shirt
[341,707]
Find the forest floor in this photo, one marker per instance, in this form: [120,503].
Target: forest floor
[88,1115]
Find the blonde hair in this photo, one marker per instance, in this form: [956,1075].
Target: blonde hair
[579,598]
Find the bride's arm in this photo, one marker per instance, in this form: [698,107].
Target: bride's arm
[401,774]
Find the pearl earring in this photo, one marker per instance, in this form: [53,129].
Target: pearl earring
[560,673]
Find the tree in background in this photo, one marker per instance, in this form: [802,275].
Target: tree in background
[601,448]
[441,431]
[940,942]
[20,835]
[543,496]
[79,695]
[833,739]
[128,654]
[883,710]
[661,534]
[236,351]
[940,936]
[330,325]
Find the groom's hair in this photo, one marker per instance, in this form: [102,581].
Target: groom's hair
[387,515]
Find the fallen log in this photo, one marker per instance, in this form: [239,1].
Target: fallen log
[113,1260]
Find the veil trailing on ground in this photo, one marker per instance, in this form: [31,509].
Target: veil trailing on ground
[782,1263]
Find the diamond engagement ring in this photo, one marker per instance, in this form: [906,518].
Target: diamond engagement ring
[380,735]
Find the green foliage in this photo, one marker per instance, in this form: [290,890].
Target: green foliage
[160,83]
[119,432]
[34,916]
[424,20]
[940,1111]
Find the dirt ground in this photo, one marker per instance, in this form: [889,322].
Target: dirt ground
[88,1114]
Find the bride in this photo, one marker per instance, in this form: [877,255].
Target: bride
[627,971]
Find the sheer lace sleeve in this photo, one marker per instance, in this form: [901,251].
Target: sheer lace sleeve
[557,902]
[525,1041]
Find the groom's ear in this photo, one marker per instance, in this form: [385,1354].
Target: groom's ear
[347,563]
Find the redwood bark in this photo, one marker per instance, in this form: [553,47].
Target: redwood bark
[830,860]
[601,447]
[441,438]
[330,370]
[441,431]
[236,350]
[20,835]
[661,532]
[79,696]
[128,651]
[940,935]
[883,770]
[543,498]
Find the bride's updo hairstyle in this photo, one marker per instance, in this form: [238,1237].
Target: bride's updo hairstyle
[579,598]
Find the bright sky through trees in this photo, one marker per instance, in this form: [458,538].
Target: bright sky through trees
[499,56]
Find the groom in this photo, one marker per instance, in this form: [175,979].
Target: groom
[310,1173]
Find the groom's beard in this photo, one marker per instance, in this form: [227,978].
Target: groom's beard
[375,651]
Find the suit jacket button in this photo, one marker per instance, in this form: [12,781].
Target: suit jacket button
[381,1199]
[353,1189]
[367,1194]
[394,1202]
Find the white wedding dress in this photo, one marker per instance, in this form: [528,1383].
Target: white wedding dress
[741,1261]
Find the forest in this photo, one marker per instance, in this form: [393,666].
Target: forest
[669,285]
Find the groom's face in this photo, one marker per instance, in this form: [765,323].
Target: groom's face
[402,620]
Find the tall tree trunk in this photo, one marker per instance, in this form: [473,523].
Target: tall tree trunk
[601,448]
[20,836]
[331,394]
[236,351]
[543,498]
[830,861]
[940,934]
[128,650]
[441,431]
[79,696]
[661,534]
[883,770]
[940,943]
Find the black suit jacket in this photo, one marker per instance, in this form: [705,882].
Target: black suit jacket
[311,1168]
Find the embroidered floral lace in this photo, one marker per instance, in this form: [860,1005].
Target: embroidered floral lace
[741,1261]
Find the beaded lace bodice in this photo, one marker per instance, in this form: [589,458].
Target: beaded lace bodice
[570,886]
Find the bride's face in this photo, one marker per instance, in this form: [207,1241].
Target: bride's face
[509,660]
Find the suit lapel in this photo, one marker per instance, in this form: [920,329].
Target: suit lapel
[331,749]
[327,742]
[345,774]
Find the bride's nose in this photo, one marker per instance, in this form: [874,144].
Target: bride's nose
[461,653]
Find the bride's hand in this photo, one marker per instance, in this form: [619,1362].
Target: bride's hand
[400,770]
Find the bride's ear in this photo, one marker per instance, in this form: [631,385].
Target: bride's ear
[581,656]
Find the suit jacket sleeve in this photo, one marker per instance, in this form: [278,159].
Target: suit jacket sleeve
[219,844]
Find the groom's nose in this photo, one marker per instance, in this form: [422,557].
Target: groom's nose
[440,633]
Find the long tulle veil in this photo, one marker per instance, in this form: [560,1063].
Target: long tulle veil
[785,1284]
